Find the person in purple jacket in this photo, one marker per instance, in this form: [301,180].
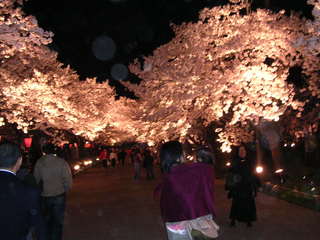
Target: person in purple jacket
[187,190]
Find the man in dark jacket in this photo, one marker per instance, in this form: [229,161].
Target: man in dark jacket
[19,203]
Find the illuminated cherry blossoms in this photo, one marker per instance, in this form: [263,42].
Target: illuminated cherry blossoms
[228,68]
[37,92]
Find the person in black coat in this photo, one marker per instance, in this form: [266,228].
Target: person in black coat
[19,203]
[148,164]
[122,156]
[242,190]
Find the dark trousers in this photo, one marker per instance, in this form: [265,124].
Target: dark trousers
[149,171]
[121,160]
[113,162]
[137,170]
[53,209]
[105,163]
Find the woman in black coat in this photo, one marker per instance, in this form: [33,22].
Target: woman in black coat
[242,189]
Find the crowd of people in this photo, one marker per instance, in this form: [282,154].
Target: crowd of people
[138,157]
[33,203]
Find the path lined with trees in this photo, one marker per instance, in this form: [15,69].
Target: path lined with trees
[110,204]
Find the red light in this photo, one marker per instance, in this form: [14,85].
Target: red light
[27,142]
[87,145]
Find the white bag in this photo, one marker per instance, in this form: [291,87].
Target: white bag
[182,230]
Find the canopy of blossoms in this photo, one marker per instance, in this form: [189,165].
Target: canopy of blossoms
[228,68]
[38,92]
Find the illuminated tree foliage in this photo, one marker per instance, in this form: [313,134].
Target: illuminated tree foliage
[228,70]
[38,92]
[231,68]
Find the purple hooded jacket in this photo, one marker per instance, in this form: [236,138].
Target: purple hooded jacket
[187,192]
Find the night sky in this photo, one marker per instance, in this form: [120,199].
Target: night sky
[133,29]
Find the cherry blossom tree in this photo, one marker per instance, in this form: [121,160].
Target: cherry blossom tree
[230,70]
[228,67]
[38,92]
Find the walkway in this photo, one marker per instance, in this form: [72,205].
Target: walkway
[109,204]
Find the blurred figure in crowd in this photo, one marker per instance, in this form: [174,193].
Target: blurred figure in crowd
[128,155]
[113,157]
[137,161]
[148,164]
[25,174]
[122,156]
[103,156]
[204,155]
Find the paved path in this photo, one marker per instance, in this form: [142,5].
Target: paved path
[110,205]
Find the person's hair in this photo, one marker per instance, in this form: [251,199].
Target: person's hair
[9,155]
[49,148]
[170,153]
[205,155]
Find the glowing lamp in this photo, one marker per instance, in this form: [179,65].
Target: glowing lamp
[280,170]
[86,163]
[228,164]
[27,142]
[259,169]
[76,167]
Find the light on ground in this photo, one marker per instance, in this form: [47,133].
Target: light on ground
[76,167]
[86,163]
[259,169]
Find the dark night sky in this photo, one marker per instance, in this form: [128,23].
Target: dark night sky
[137,27]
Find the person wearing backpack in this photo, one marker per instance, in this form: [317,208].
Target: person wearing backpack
[242,186]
